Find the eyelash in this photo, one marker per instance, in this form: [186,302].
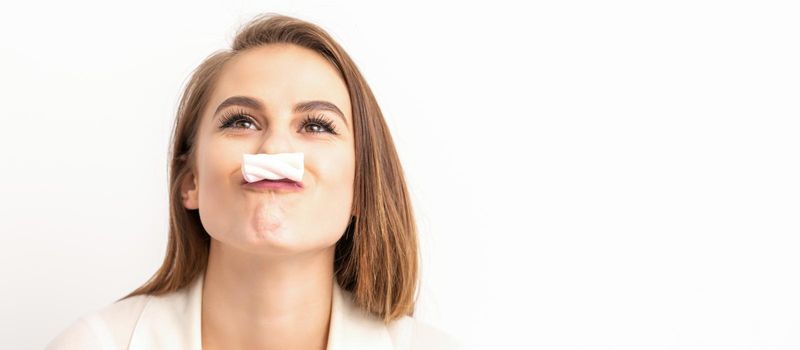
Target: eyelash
[232,117]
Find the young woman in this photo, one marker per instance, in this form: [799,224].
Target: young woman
[328,261]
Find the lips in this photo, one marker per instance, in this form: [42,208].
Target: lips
[273,184]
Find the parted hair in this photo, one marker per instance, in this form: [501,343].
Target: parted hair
[377,257]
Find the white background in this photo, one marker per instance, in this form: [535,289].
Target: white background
[586,175]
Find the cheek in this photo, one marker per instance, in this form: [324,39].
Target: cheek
[335,169]
[216,162]
[334,174]
[216,165]
[331,205]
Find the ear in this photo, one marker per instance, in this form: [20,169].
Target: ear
[189,191]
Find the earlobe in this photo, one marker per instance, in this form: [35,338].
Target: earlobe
[189,190]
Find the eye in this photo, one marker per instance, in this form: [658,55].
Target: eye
[318,124]
[235,120]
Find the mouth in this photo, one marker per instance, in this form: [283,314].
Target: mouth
[273,184]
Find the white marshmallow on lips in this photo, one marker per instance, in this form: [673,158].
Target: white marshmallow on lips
[257,167]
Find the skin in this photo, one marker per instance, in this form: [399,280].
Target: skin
[269,280]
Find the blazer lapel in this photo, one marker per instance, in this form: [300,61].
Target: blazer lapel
[353,328]
[172,321]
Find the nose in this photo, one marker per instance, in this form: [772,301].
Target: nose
[276,141]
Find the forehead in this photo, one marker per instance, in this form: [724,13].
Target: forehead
[281,75]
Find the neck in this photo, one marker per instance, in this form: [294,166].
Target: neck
[255,301]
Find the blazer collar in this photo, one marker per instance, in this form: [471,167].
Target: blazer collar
[172,321]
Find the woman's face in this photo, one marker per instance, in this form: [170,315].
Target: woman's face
[275,221]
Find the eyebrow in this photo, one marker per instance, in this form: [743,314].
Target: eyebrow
[300,107]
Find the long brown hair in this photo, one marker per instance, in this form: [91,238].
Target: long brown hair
[377,256]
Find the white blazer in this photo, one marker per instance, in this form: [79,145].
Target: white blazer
[172,321]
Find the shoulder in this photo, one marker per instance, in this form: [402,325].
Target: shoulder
[107,328]
[411,333]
